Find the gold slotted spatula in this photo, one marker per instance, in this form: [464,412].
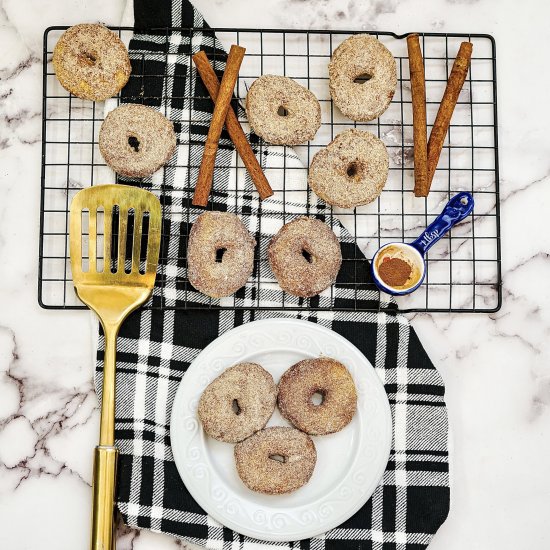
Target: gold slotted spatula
[123,282]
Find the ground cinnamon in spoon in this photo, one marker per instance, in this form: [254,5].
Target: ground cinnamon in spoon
[394,271]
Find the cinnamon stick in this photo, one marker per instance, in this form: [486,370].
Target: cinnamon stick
[206,171]
[446,108]
[234,128]
[420,131]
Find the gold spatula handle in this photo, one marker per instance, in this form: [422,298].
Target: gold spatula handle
[103,505]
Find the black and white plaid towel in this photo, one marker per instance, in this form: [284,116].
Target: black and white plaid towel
[155,346]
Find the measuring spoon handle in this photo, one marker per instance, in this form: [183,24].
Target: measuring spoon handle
[455,211]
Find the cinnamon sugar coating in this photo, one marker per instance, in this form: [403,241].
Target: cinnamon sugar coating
[213,232]
[296,453]
[361,55]
[136,140]
[327,377]
[305,257]
[351,170]
[237,403]
[297,122]
[91,62]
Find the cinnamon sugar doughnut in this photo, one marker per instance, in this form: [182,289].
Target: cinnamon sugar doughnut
[305,257]
[237,403]
[275,460]
[281,111]
[136,140]
[91,62]
[207,272]
[362,55]
[332,381]
[351,170]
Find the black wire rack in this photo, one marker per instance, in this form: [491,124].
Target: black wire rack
[463,269]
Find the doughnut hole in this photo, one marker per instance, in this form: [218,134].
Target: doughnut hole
[134,143]
[236,407]
[278,458]
[282,111]
[307,255]
[219,254]
[318,397]
[362,78]
[354,171]
[88,58]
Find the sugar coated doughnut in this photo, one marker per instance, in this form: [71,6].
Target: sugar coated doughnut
[91,62]
[275,460]
[351,170]
[237,403]
[305,257]
[362,77]
[323,376]
[220,254]
[136,140]
[281,111]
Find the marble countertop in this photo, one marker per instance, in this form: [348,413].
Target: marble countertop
[496,367]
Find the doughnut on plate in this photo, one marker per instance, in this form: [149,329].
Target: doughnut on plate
[350,463]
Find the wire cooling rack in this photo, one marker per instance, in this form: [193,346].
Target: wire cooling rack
[463,269]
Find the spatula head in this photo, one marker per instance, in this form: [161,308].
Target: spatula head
[115,233]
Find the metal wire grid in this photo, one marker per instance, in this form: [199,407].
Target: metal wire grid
[463,270]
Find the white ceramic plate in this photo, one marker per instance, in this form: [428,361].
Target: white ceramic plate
[349,465]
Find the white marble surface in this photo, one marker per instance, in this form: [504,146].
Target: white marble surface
[496,367]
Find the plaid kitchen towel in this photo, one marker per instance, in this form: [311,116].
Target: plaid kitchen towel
[156,346]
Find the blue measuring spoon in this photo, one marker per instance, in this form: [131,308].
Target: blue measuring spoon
[413,253]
